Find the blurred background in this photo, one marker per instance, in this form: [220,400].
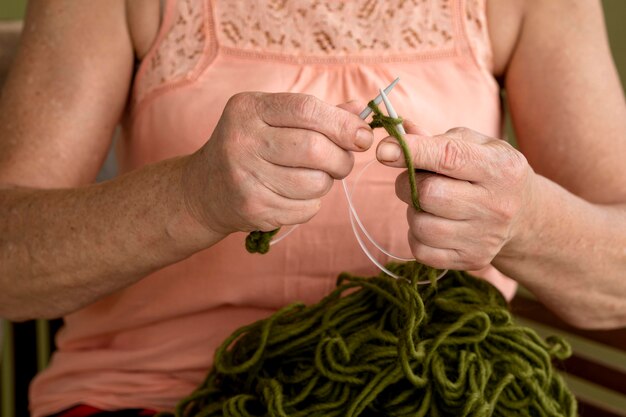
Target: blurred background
[596,372]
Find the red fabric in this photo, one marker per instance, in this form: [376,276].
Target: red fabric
[84,410]
[79,411]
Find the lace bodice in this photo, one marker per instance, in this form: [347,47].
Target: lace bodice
[312,32]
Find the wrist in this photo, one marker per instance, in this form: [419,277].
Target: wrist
[530,220]
[188,226]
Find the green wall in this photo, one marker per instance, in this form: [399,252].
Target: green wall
[615,16]
[12,9]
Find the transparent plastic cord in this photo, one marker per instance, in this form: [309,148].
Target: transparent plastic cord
[354,214]
[284,235]
[355,222]
[358,228]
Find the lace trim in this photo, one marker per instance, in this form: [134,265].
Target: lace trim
[177,51]
[477,32]
[323,28]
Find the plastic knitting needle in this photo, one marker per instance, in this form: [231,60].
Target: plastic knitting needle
[391,111]
[367,111]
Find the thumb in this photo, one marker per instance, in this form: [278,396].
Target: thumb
[389,151]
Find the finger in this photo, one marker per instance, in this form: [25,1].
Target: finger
[287,212]
[269,210]
[434,257]
[452,155]
[300,148]
[294,183]
[303,111]
[442,196]
[438,232]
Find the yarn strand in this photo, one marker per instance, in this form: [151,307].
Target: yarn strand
[390,124]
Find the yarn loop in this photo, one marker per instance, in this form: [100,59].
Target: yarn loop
[384,347]
[381,346]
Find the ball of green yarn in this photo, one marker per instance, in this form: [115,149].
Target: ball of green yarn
[385,347]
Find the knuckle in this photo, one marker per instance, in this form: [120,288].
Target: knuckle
[345,126]
[319,183]
[510,162]
[316,149]
[239,101]
[347,167]
[517,165]
[470,261]
[306,106]
[307,211]
[252,207]
[454,156]
[458,131]
[505,210]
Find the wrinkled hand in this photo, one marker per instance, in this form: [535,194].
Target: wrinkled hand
[474,199]
[270,159]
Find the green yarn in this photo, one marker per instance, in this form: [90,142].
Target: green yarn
[390,125]
[384,347]
[259,242]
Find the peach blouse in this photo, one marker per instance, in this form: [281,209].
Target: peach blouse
[152,343]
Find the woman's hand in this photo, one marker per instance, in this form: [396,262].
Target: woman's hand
[476,195]
[270,160]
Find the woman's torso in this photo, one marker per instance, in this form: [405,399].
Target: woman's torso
[152,343]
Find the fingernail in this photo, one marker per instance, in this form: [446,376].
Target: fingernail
[364,138]
[389,152]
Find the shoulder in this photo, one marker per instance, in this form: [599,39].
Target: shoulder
[507,19]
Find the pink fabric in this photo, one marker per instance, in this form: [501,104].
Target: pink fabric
[151,344]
